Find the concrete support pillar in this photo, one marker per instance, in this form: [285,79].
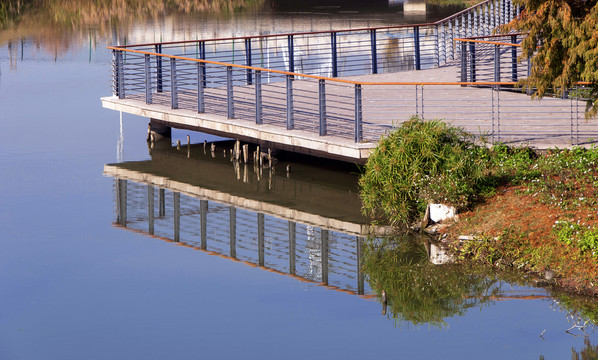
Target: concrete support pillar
[158,130]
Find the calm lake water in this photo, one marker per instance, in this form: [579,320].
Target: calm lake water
[233,262]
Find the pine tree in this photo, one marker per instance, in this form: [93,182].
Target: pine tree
[562,44]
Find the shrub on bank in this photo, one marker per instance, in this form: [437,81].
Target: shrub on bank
[418,163]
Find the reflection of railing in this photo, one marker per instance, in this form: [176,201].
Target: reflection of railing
[308,252]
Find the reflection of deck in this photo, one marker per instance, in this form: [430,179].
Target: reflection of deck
[326,199]
[254,228]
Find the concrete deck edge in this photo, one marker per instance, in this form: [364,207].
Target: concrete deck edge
[301,141]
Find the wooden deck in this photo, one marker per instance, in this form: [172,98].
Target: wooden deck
[506,116]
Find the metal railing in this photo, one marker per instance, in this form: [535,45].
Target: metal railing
[492,58]
[205,76]
[357,110]
[349,52]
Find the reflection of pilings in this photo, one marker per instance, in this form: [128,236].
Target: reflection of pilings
[324,251]
[260,238]
[233,232]
[162,203]
[203,208]
[176,197]
[150,209]
[292,242]
[121,204]
[360,277]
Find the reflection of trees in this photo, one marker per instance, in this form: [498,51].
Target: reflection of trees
[579,309]
[589,352]
[50,21]
[419,292]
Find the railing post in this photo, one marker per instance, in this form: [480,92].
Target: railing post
[476,29]
[416,47]
[358,114]
[159,83]
[514,58]
[438,43]
[120,74]
[202,56]
[322,106]
[472,61]
[230,109]
[468,29]
[201,84]
[258,98]
[374,51]
[333,54]
[248,59]
[463,61]
[291,53]
[148,80]
[290,114]
[496,63]
[174,96]
[452,39]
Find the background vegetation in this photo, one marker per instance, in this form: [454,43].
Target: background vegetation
[562,44]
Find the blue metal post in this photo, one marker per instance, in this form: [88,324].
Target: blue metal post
[248,59]
[472,61]
[322,107]
[148,83]
[291,53]
[374,51]
[416,44]
[230,110]
[258,98]
[496,63]
[290,114]
[463,61]
[120,78]
[358,114]
[514,58]
[334,54]
[174,96]
[159,84]
[201,104]
[202,56]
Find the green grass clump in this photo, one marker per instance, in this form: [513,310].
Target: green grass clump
[418,163]
[575,234]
